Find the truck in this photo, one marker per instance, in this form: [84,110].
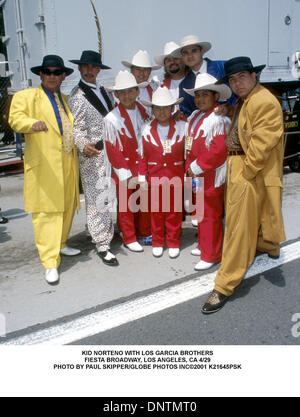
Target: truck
[268,31]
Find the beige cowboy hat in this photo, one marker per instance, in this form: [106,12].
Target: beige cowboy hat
[169,48]
[162,97]
[124,80]
[141,59]
[208,82]
[190,40]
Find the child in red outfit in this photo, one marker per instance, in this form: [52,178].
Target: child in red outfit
[205,157]
[161,167]
[123,127]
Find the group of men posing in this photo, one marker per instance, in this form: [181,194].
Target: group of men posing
[144,135]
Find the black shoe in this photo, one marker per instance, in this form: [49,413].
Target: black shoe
[258,253]
[3,220]
[110,262]
[214,303]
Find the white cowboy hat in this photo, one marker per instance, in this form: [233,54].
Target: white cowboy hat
[190,40]
[162,97]
[124,80]
[141,59]
[207,82]
[169,48]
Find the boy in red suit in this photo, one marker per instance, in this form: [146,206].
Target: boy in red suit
[123,127]
[161,167]
[205,157]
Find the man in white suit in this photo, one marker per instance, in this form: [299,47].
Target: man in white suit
[89,104]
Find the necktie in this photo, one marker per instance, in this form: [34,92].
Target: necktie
[68,141]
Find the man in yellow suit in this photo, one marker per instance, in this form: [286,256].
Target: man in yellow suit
[51,191]
[255,149]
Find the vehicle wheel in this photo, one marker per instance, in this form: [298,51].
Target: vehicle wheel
[295,165]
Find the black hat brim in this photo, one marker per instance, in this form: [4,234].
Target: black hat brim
[256,69]
[96,64]
[37,70]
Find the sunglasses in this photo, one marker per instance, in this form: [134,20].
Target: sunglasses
[56,72]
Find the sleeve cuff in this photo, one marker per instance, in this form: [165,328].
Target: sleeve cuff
[123,174]
[197,170]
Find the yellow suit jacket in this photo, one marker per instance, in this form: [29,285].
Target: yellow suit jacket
[261,134]
[43,166]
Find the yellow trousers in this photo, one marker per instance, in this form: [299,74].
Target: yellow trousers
[51,230]
[242,235]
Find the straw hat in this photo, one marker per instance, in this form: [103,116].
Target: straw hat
[124,80]
[141,59]
[169,48]
[208,82]
[190,40]
[162,97]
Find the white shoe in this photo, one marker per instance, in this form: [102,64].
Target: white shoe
[202,265]
[195,223]
[135,247]
[196,252]
[174,252]
[52,276]
[67,251]
[157,251]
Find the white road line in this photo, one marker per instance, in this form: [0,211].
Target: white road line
[110,318]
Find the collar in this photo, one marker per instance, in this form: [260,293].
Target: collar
[202,69]
[253,91]
[50,93]
[94,86]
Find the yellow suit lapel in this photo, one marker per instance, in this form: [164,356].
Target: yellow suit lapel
[48,111]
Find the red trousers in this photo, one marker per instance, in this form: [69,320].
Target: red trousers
[210,230]
[166,221]
[131,222]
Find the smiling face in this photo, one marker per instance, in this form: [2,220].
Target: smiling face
[173,65]
[162,114]
[205,99]
[141,74]
[89,72]
[127,97]
[242,83]
[52,78]
[192,56]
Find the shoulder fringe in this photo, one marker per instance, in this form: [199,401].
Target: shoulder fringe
[145,133]
[193,114]
[214,125]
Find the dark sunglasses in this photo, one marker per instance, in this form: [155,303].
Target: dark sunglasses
[57,72]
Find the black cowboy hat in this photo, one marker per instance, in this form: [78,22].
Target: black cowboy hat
[90,57]
[52,61]
[238,64]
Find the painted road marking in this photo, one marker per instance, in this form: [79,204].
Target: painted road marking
[127,312]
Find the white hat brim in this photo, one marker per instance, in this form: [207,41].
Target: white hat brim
[206,46]
[160,59]
[150,104]
[222,89]
[130,64]
[113,88]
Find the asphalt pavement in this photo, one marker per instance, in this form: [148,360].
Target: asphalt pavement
[260,312]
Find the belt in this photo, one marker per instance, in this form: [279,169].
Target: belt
[231,152]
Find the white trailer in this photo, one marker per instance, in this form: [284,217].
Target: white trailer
[266,30]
